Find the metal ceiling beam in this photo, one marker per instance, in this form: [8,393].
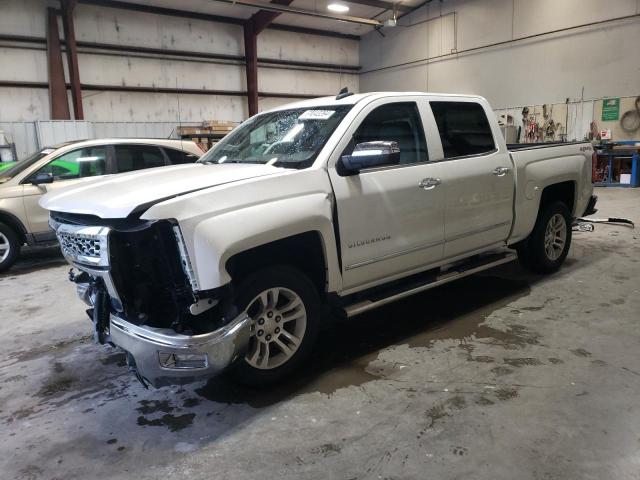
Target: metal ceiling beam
[264,18]
[171,12]
[381,4]
[301,11]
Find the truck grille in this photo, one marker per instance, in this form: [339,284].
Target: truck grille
[85,245]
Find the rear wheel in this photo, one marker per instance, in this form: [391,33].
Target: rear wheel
[283,305]
[9,247]
[548,245]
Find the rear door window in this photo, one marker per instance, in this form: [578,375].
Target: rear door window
[137,157]
[178,157]
[464,128]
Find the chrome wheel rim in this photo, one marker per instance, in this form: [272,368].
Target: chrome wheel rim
[5,247]
[278,324]
[555,237]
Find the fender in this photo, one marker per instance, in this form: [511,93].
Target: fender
[218,238]
[532,181]
[228,219]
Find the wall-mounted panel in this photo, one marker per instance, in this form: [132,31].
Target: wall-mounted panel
[147,72]
[24,104]
[124,27]
[23,17]
[18,64]
[532,18]
[307,48]
[305,82]
[155,107]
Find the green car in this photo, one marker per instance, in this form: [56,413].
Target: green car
[6,165]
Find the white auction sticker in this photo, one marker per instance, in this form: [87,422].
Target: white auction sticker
[316,115]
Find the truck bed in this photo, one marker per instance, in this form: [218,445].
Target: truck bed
[528,146]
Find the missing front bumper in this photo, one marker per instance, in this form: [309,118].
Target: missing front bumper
[164,357]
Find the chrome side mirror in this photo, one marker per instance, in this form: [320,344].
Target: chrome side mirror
[369,155]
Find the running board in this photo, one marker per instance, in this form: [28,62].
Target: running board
[445,275]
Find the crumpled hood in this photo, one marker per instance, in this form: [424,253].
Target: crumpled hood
[116,196]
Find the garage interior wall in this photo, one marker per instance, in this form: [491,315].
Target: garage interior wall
[446,47]
[28,63]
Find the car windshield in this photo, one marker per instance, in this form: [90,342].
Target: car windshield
[286,138]
[10,169]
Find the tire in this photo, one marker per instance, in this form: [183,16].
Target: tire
[548,245]
[9,247]
[295,314]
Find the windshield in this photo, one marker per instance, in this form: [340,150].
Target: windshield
[10,169]
[286,138]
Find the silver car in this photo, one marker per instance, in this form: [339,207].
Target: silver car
[23,221]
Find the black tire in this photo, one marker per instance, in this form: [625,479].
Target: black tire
[8,238]
[533,253]
[289,280]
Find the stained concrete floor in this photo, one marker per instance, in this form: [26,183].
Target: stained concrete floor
[503,375]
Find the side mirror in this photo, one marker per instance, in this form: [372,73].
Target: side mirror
[42,178]
[369,155]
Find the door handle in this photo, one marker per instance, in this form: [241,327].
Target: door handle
[501,171]
[429,183]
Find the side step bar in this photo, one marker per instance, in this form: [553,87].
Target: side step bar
[445,275]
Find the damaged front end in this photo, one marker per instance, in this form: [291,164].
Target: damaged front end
[137,279]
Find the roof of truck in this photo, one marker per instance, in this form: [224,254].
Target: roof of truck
[352,99]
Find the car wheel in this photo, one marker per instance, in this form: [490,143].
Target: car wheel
[9,247]
[548,245]
[284,307]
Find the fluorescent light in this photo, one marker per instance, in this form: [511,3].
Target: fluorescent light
[338,8]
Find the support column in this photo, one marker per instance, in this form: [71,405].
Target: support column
[68,7]
[251,62]
[57,89]
[252,28]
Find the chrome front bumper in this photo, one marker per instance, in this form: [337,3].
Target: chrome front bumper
[164,357]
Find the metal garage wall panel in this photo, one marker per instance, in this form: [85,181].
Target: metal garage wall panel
[136,129]
[52,132]
[31,136]
[23,134]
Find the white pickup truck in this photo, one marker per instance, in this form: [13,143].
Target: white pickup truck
[335,204]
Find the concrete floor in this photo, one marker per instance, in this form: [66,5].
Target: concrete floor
[503,375]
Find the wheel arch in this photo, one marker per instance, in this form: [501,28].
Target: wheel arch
[14,222]
[305,251]
[562,191]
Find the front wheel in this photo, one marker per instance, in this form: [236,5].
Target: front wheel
[9,247]
[284,308]
[548,245]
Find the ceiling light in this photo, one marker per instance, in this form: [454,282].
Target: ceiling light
[337,7]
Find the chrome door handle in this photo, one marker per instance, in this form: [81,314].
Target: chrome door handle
[429,183]
[501,171]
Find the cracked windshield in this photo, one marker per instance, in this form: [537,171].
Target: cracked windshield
[286,138]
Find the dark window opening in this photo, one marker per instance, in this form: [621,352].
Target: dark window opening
[396,122]
[179,157]
[464,128]
[137,157]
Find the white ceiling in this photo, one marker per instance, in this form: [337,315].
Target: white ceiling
[213,7]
